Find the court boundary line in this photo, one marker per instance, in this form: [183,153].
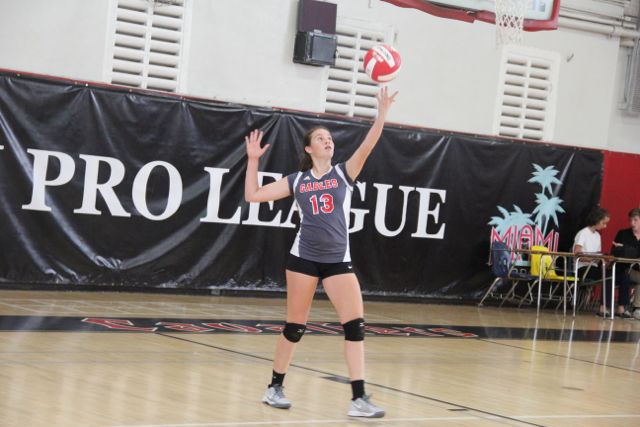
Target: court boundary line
[558,355]
[376,420]
[382,386]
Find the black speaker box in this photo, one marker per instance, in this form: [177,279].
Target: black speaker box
[316,40]
[315,48]
[314,15]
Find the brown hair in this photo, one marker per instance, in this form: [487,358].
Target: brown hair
[634,212]
[305,161]
[596,215]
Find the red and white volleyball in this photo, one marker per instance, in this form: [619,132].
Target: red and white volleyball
[382,63]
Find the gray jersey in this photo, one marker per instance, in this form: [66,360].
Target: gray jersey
[324,204]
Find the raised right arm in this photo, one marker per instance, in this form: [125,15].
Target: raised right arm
[252,191]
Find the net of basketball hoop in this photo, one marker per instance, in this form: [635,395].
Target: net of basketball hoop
[510,20]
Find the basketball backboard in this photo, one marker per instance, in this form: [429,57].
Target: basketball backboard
[540,14]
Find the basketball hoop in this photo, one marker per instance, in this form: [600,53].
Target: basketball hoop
[510,21]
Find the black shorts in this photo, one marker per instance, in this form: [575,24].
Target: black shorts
[317,269]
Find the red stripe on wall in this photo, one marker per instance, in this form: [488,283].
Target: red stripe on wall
[620,191]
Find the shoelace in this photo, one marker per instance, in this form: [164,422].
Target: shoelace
[364,401]
[370,405]
[279,391]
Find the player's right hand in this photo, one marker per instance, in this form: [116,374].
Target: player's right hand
[252,141]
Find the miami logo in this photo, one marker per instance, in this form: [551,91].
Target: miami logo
[519,229]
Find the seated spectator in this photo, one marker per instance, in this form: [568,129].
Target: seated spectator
[627,245]
[589,240]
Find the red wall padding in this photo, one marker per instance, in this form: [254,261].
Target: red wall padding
[620,191]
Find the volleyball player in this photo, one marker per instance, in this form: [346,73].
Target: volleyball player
[320,250]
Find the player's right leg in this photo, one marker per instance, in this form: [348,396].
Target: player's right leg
[301,288]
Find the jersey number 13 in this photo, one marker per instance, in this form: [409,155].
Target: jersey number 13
[325,205]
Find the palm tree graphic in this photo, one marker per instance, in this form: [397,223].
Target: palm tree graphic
[509,219]
[545,177]
[547,206]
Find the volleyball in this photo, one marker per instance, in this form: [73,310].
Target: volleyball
[382,63]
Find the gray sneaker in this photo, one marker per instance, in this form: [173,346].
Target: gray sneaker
[362,407]
[274,396]
[625,315]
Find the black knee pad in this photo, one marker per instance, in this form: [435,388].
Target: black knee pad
[354,330]
[293,331]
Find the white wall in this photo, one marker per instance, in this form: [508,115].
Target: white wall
[450,68]
[63,38]
[624,131]
[586,85]
[241,51]
[449,77]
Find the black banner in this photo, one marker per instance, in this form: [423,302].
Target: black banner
[100,186]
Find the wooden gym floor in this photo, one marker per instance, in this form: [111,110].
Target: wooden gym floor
[80,359]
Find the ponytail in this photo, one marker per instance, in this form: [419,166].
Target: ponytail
[305,162]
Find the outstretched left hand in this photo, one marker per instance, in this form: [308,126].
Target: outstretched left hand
[384,101]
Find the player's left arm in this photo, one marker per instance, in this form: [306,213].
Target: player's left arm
[355,164]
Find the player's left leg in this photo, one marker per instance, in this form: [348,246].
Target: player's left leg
[300,291]
[344,292]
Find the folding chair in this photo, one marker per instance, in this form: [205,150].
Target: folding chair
[544,269]
[587,299]
[503,268]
